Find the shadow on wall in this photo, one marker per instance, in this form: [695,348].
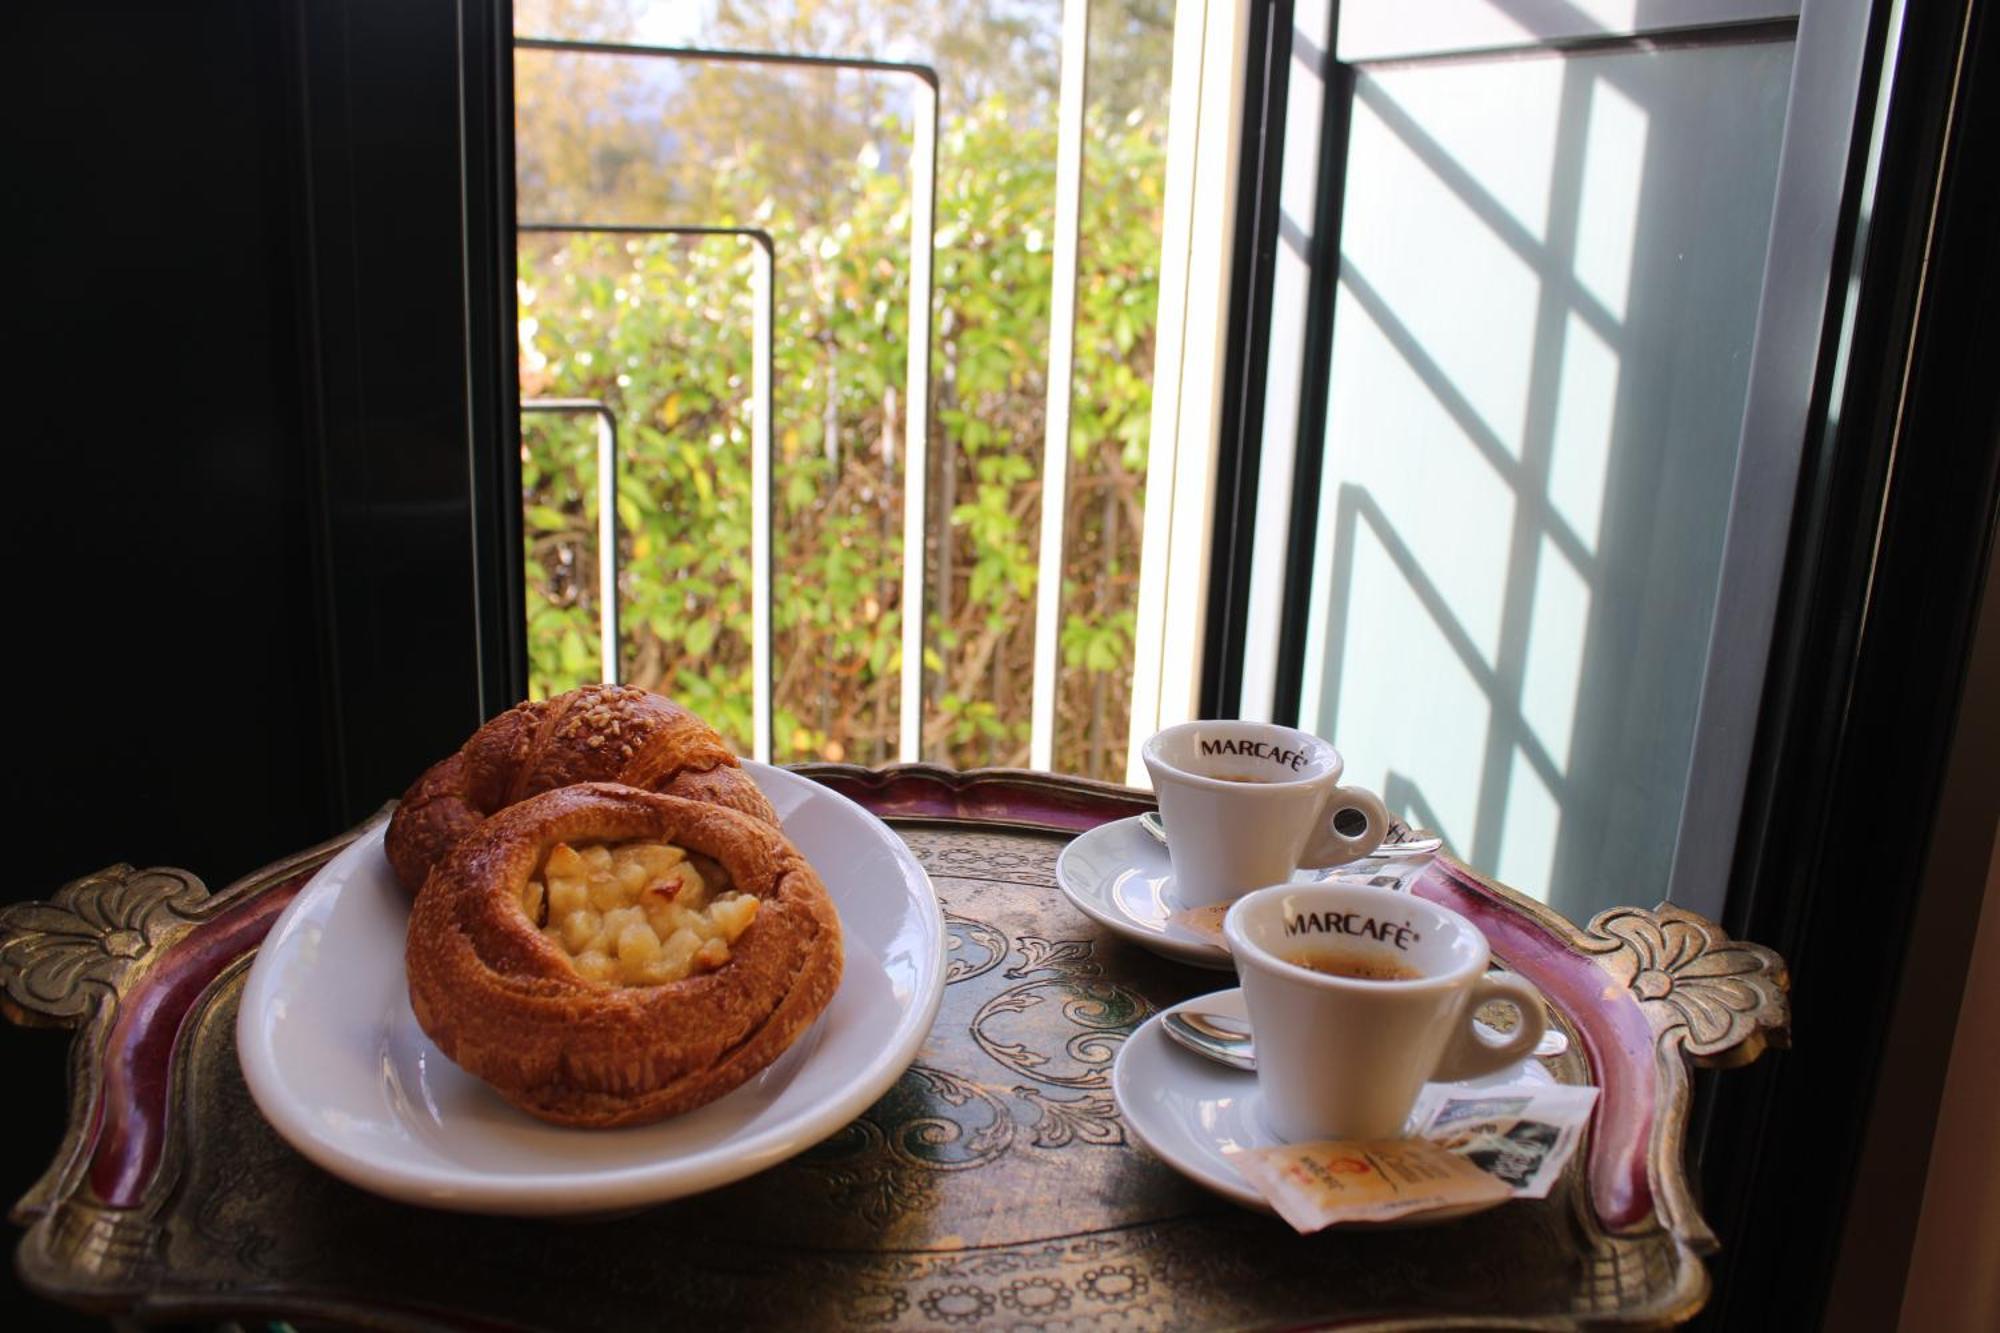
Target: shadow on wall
[1534,408]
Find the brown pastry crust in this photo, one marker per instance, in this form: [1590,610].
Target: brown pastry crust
[507,1006]
[599,733]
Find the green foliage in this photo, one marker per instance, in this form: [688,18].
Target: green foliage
[659,328]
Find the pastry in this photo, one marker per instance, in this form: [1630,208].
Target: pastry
[599,733]
[606,956]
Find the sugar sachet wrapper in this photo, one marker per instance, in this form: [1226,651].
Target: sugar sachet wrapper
[1314,1185]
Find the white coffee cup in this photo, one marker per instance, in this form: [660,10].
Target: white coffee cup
[1247,803]
[1343,1057]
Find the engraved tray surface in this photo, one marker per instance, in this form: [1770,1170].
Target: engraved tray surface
[994,1186]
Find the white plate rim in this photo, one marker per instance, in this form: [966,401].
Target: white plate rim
[1232,1187]
[1186,947]
[561,1192]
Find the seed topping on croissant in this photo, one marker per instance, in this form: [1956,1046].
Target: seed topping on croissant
[598,733]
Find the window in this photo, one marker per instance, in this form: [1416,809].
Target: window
[1533,386]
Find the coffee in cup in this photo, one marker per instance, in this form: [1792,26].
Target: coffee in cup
[1343,1048]
[1357,966]
[1247,803]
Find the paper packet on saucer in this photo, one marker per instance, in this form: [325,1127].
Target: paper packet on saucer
[1514,1139]
[1384,870]
[1204,921]
[1314,1185]
[1521,1134]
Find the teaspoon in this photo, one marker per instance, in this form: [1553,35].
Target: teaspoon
[1197,1032]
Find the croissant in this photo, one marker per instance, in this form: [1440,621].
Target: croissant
[497,973]
[599,733]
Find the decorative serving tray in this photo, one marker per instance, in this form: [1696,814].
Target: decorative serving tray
[993,1186]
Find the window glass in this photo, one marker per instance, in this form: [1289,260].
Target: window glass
[1548,289]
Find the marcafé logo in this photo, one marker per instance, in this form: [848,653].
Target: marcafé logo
[1358,924]
[1277,754]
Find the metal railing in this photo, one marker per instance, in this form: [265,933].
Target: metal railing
[1062,364]
[917,366]
[607,519]
[763,461]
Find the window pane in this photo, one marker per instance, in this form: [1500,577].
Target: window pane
[1549,275]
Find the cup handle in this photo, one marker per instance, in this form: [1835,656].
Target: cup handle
[1471,1054]
[1331,847]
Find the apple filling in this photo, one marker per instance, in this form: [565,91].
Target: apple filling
[637,913]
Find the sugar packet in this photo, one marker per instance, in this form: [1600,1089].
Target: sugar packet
[1314,1185]
[1467,1146]
[1204,921]
[1384,870]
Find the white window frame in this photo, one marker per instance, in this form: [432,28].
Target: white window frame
[1204,135]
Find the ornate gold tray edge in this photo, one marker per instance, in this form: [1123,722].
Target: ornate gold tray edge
[129,957]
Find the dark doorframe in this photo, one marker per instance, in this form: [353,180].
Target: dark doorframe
[270,438]
[493,386]
[1892,532]
[1254,269]
[265,486]
[405,184]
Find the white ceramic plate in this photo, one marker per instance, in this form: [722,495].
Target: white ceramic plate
[337,1064]
[1193,1113]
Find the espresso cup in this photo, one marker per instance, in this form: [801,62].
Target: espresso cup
[1247,803]
[1357,997]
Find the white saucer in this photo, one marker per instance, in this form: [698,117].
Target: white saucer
[1193,1113]
[1120,876]
[338,1065]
